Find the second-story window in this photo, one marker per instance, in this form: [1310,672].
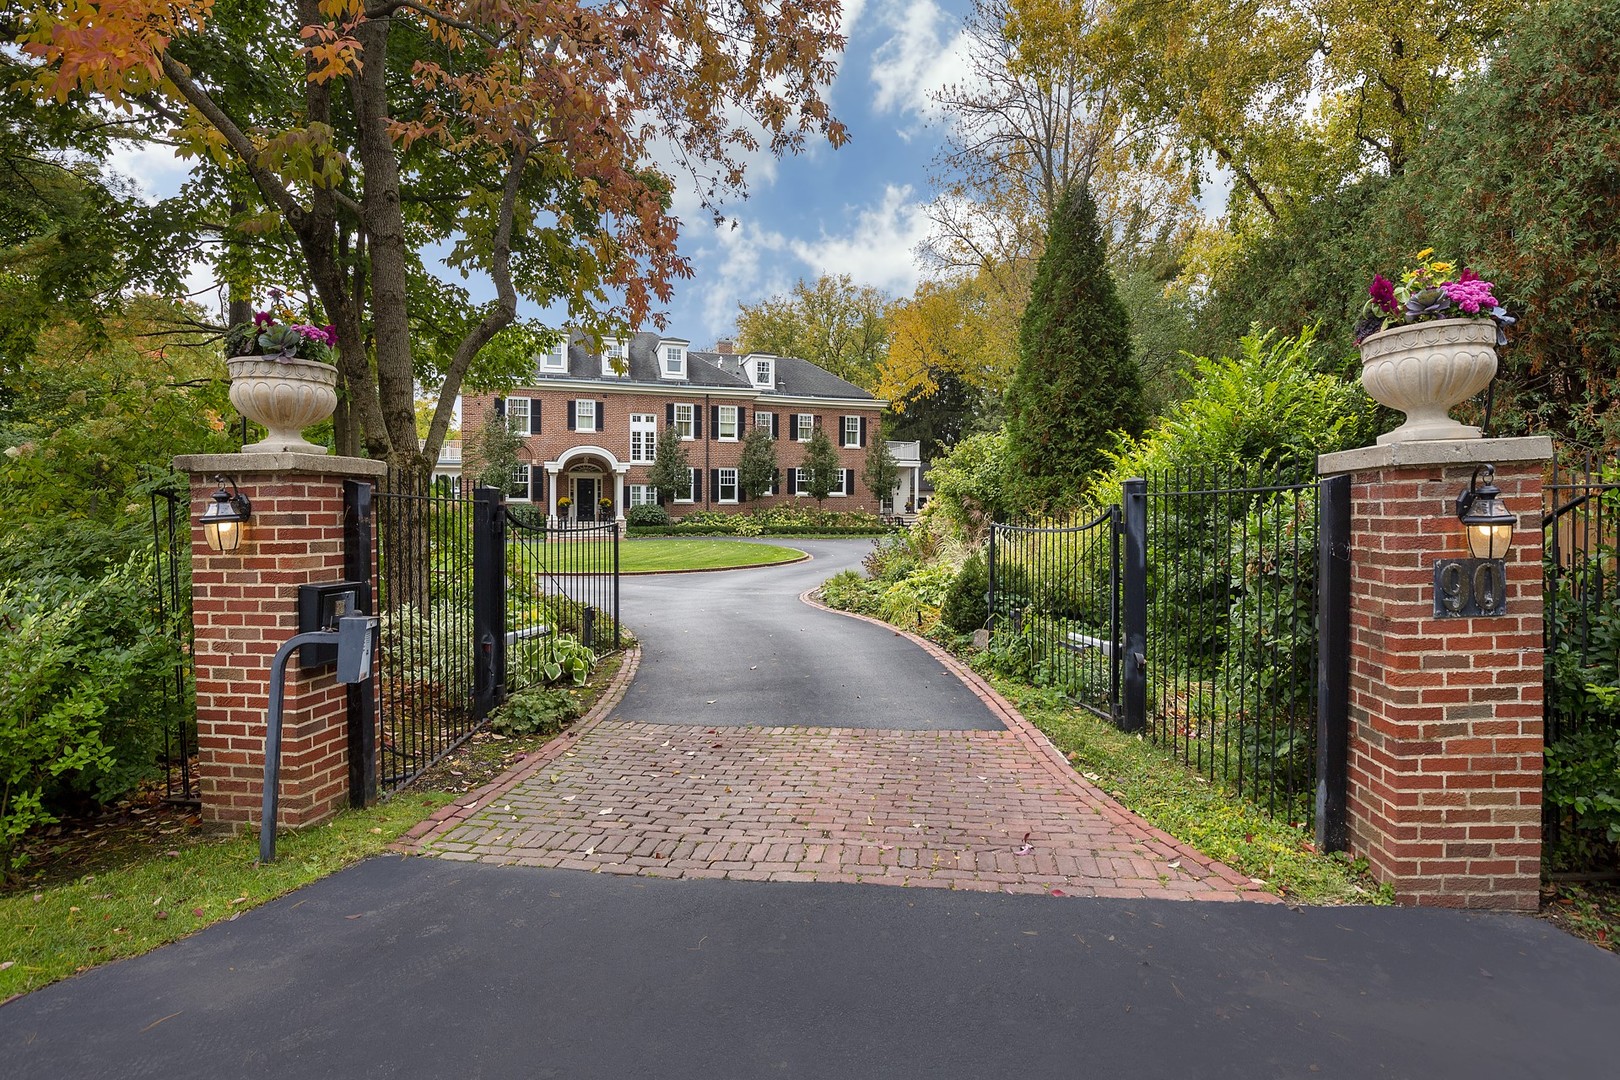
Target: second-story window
[803,425]
[852,431]
[643,438]
[683,421]
[519,416]
[725,428]
[585,415]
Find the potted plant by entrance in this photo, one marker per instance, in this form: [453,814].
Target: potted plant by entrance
[562,506]
[606,506]
[282,377]
[1429,343]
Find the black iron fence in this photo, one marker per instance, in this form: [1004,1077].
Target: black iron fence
[1581,523]
[476,596]
[1194,613]
[171,596]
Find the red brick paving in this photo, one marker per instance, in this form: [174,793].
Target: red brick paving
[994,811]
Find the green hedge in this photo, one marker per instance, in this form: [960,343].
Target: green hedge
[706,529]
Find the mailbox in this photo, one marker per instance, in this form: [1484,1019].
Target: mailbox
[357,635]
[323,606]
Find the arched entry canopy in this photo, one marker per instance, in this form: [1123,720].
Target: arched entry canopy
[587,476]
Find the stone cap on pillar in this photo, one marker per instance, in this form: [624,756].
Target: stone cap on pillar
[263,464]
[1426,452]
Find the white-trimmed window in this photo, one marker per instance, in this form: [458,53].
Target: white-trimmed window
[803,424]
[613,352]
[519,491]
[798,481]
[555,359]
[643,495]
[851,431]
[672,359]
[763,420]
[846,483]
[518,413]
[725,488]
[762,370]
[683,421]
[584,415]
[643,438]
[725,429]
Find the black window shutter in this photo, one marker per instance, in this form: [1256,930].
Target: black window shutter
[697,485]
[849,481]
[601,414]
[571,405]
[863,431]
[500,406]
[697,422]
[534,416]
[714,420]
[714,482]
[537,481]
[776,481]
[669,414]
[776,425]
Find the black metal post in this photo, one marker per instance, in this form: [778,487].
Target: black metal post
[489,600]
[1133,597]
[1333,665]
[1116,651]
[362,696]
[990,588]
[617,639]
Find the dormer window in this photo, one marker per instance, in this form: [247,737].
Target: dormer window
[555,359]
[672,358]
[760,369]
[615,359]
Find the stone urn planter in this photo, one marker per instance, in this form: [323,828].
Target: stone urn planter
[1425,368]
[286,396]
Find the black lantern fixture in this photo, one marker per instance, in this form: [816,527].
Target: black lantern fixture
[226,517]
[1486,521]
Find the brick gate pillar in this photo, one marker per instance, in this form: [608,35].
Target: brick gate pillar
[1444,789]
[245,605]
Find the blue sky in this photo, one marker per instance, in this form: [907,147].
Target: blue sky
[857,210]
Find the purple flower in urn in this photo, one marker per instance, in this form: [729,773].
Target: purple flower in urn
[1382,291]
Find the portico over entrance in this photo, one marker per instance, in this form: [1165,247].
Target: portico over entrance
[585,484]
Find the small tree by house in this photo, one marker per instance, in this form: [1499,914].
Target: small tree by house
[821,461]
[496,450]
[882,471]
[756,468]
[671,471]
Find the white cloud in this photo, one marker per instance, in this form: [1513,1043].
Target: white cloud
[157,171]
[925,50]
[877,248]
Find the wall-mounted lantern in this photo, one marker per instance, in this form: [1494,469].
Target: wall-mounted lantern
[226,517]
[1488,523]
[1477,586]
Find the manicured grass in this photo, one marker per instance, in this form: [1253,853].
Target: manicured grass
[52,932]
[1200,814]
[661,554]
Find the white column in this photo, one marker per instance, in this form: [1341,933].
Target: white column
[551,492]
[618,491]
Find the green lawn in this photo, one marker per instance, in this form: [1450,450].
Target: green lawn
[663,554]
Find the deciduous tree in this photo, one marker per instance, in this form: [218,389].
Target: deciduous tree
[671,471]
[831,322]
[821,462]
[756,466]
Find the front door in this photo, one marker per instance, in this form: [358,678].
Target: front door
[585,495]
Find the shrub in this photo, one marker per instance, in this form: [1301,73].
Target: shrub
[966,607]
[647,514]
[847,590]
[550,659]
[535,712]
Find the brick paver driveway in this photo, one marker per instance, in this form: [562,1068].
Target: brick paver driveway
[763,738]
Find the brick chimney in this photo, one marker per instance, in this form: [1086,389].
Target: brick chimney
[726,347]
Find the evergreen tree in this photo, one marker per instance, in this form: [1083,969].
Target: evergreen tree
[882,471]
[821,458]
[497,451]
[671,471]
[1076,384]
[757,466]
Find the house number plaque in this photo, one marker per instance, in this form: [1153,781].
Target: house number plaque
[1466,588]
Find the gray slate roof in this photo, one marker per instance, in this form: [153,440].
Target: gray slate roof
[794,377]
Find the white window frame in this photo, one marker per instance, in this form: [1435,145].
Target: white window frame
[843,482]
[722,485]
[581,407]
[644,425]
[851,438]
[642,495]
[520,475]
[735,413]
[555,359]
[763,371]
[671,360]
[527,411]
[799,481]
[691,491]
[614,349]
[804,426]
[763,420]
[685,428]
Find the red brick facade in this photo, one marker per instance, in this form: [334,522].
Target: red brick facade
[245,606]
[552,437]
[1446,714]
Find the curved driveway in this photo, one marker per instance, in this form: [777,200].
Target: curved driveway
[738,648]
[766,739]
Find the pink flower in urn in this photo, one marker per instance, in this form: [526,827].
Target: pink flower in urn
[1470,295]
